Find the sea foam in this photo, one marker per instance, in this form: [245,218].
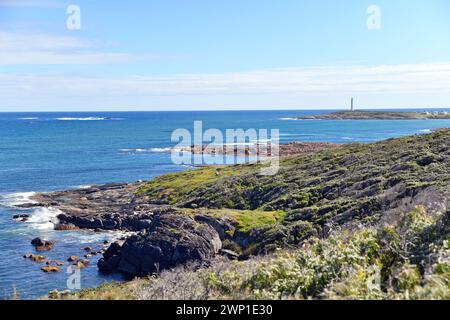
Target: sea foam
[16,199]
[44,218]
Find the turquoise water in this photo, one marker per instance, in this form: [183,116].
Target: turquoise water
[53,151]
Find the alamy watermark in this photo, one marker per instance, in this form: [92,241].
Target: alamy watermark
[74,20]
[215,147]
[73,278]
[374,19]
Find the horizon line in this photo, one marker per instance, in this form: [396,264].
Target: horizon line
[229,110]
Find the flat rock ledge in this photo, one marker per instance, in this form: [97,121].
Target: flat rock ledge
[169,241]
[102,207]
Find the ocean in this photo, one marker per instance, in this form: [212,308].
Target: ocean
[42,152]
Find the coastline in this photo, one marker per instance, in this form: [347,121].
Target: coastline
[230,245]
[153,210]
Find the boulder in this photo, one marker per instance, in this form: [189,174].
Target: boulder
[65,227]
[223,225]
[50,269]
[42,245]
[35,257]
[171,240]
[81,264]
[72,259]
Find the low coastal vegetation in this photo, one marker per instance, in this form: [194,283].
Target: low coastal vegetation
[406,260]
[362,221]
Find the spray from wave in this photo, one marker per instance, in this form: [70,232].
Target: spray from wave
[44,218]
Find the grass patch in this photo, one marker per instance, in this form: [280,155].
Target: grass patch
[171,186]
[250,219]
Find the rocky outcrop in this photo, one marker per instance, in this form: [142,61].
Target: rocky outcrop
[169,241]
[104,207]
[42,245]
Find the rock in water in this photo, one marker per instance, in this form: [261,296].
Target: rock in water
[81,264]
[42,245]
[65,227]
[49,269]
[170,240]
[34,257]
[72,258]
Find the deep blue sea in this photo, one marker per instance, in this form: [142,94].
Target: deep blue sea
[53,151]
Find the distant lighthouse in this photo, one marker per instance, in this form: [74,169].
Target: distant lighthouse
[352,106]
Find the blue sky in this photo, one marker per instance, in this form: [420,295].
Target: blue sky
[203,54]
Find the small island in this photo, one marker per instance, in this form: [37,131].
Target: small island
[378,115]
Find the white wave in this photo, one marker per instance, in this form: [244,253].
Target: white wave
[161,149]
[44,218]
[135,150]
[425,131]
[347,138]
[288,119]
[28,118]
[88,236]
[84,186]
[15,199]
[140,150]
[87,119]
[261,140]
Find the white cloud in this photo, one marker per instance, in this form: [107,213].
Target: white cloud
[406,84]
[43,49]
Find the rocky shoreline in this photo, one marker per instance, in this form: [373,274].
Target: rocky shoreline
[162,237]
[262,149]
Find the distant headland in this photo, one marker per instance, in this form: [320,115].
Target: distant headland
[378,115]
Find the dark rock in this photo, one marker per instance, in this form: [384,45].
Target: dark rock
[21,216]
[171,240]
[42,245]
[138,225]
[110,224]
